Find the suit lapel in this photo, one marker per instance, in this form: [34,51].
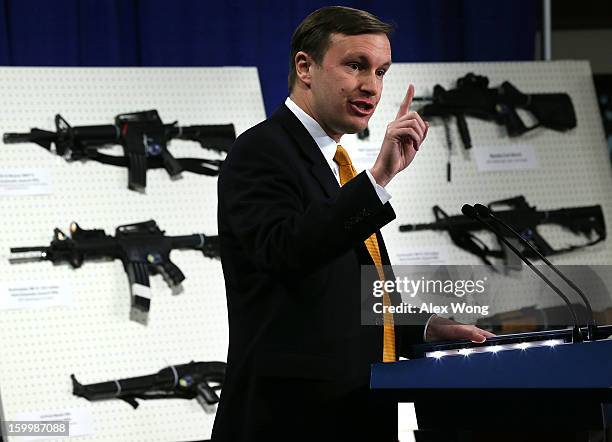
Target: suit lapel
[318,165]
[319,168]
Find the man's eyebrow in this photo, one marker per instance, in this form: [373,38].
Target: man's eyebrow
[363,59]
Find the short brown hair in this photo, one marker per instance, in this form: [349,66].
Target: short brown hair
[313,34]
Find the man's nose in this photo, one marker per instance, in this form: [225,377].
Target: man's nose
[370,83]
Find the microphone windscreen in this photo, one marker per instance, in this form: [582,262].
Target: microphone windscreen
[468,210]
[483,211]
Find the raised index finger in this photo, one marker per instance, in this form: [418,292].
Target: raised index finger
[405,106]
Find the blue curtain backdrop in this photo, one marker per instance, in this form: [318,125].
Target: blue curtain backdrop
[253,33]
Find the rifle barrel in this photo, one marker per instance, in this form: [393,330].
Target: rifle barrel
[26,259]
[14,137]
[29,249]
[36,254]
[457,221]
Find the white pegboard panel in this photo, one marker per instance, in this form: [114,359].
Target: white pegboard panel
[93,338]
[574,169]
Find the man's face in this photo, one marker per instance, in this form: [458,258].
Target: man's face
[347,85]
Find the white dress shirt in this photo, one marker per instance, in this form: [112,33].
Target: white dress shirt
[328,146]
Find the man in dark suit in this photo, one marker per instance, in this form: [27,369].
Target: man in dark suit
[296,224]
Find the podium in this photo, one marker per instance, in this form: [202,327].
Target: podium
[520,385]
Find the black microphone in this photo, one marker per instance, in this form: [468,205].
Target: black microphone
[485,212]
[469,211]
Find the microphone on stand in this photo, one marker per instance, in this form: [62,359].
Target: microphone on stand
[471,212]
[485,212]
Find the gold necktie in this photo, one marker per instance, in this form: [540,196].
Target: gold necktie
[348,172]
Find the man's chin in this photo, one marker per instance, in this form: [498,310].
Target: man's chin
[352,125]
[356,128]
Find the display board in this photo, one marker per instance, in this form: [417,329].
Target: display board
[83,326]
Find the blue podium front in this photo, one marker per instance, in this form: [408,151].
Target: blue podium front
[586,365]
[561,386]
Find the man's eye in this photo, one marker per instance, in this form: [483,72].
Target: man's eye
[354,66]
[381,72]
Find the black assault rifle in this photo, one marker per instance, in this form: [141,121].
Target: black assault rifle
[473,97]
[587,221]
[144,139]
[142,248]
[186,381]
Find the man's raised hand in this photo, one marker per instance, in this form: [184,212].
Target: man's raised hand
[403,139]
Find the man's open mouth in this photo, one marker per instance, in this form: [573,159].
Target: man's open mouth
[362,107]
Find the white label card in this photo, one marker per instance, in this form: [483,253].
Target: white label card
[422,256]
[35,294]
[20,182]
[505,158]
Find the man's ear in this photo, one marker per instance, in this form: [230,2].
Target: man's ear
[303,66]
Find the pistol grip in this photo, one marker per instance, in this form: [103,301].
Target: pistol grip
[172,274]
[171,164]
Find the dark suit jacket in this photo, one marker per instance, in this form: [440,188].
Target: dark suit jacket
[292,249]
